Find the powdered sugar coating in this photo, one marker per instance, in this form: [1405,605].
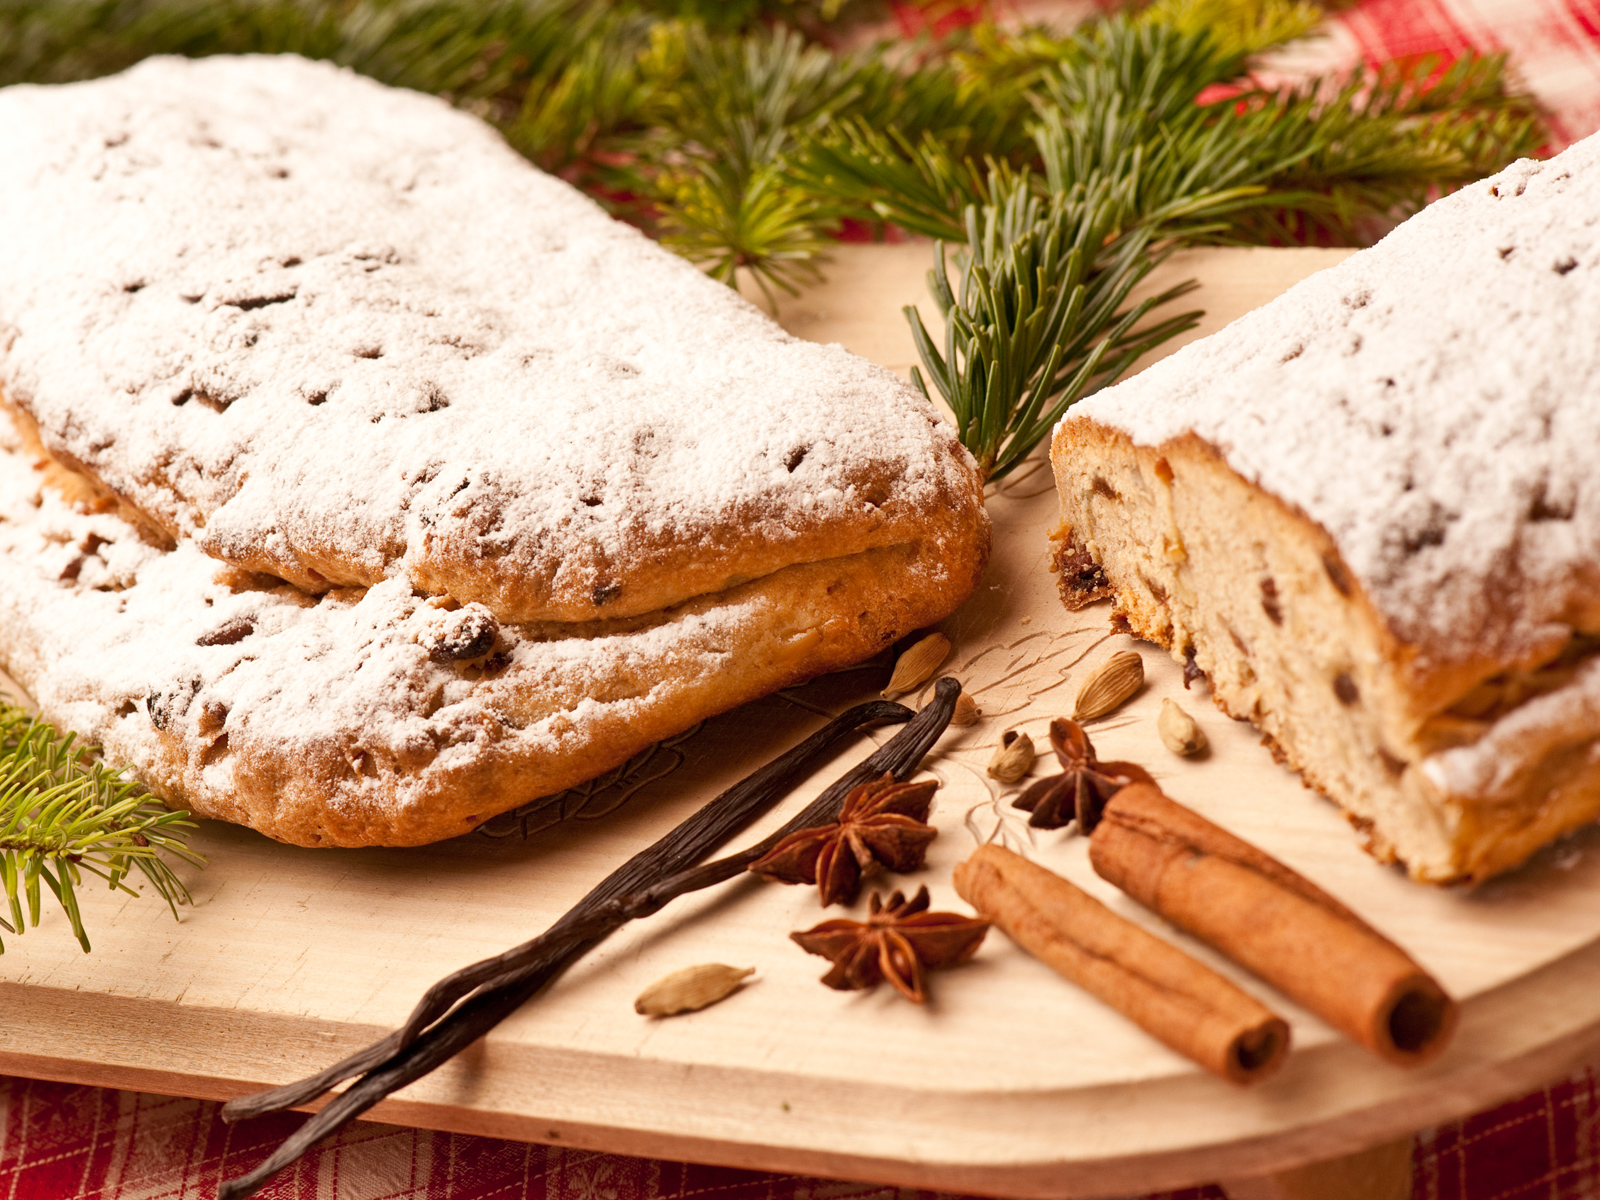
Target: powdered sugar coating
[1433,403]
[341,332]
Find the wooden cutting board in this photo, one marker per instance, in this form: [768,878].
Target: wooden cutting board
[1010,1082]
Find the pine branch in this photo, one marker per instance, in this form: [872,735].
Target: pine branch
[1235,28]
[63,812]
[1388,141]
[868,173]
[1040,317]
[1132,164]
[725,111]
[944,90]
[576,111]
[757,221]
[812,16]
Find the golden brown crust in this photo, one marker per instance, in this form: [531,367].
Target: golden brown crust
[466,556]
[664,565]
[284,790]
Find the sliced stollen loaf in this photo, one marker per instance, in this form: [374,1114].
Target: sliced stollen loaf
[1369,514]
[366,482]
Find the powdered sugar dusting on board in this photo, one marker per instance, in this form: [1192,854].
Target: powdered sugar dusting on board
[1433,402]
[331,327]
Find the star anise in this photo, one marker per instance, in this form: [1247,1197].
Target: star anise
[881,824]
[1083,787]
[898,942]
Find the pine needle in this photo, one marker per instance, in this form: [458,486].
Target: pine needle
[725,112]
[63,813]
[1040,318]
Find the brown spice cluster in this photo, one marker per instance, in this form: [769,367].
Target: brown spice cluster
[882,825]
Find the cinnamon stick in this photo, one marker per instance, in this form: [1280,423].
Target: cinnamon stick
[1250,907]
[1160,988]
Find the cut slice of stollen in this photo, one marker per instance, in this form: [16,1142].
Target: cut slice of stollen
[1369,513]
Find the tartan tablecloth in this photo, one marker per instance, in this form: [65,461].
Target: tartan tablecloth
[59,1140]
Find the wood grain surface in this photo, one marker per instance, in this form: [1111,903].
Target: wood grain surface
[1009,1082]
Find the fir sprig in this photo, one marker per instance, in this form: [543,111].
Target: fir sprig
[1040,316]
[1388,141]
[920,186]
[725,111]
[64,812]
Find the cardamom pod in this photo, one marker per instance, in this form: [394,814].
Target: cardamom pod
[1178,730]
[691,989]
[1013,757]
[966,711]
[917,665]
[1112,682]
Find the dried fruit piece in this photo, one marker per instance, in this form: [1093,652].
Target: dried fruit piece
[1013,757]
[917,665]
[1178,730]
[1113,682]
[691,989]
[967,711]
[468,632]
[229,633]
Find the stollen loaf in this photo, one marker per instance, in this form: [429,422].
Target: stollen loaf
[1368,513]
[365,481]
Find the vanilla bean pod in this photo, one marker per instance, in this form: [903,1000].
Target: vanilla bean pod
[501,985]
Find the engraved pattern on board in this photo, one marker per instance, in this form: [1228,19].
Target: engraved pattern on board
[598,797]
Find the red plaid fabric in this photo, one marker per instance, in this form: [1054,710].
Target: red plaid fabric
[63,1142]
[1544,1146]
[1554,46]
